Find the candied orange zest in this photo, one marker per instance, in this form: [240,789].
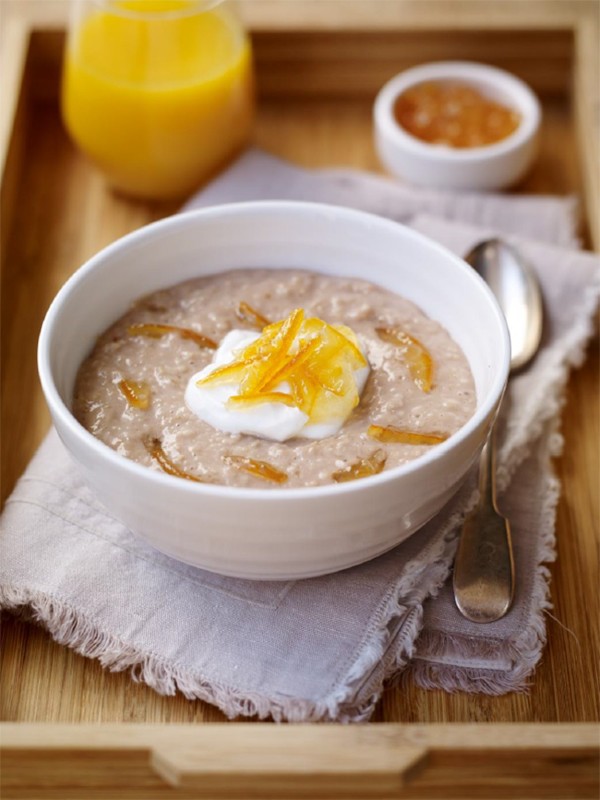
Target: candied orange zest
[418,357]
[340,330]
[263,345]
[225,374]
[316,360]
[398,436]
[136,393]
[237,400]
[289,329]
[246,313]
[304,392]
[260,469]
[342,335]
[322,381]
[155,449]
[306,350]
[254,380]
[363,468]
[156,331]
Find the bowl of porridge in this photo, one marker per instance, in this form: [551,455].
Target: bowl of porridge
[274,390]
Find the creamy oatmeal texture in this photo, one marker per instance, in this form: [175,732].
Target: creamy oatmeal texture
[208,306]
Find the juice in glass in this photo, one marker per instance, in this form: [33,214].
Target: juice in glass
[159,93]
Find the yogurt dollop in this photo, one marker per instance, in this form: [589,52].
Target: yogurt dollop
[220,400]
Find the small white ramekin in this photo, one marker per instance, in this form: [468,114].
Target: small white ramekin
[490,167]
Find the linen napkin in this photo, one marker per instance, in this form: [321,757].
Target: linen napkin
[320,649]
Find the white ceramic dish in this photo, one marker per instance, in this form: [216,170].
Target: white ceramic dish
[282,533]
[494,166]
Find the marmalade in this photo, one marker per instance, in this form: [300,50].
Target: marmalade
[454,114]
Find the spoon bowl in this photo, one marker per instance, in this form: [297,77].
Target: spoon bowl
[484,572]
[517,291]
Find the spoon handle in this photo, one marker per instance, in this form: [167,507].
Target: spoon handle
[484,569]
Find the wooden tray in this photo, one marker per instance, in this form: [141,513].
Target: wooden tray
[319,64]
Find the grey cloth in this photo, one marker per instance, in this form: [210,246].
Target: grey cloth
[320,649]
[260,176]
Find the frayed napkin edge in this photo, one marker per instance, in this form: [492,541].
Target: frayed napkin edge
[354,695]
[74,630]
[70,628]
[365,676]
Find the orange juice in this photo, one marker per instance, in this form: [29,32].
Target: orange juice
[158,92]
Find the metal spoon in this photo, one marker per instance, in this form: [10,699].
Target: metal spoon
[484,579]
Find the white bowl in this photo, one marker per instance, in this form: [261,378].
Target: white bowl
[274,533]
[493,166]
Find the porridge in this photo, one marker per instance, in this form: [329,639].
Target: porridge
[266,378]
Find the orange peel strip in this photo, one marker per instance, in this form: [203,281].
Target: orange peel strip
[321,381]
[341,334]
[399,436]
[238,400]
[246,313]
[226,373]
[418,357]
[362,468]
[155,448]
[314,358]
[137,394]
[253,381]
[304,391]
[260,350]
[296,361]
[155,331]
[289,329]
[347,341]
[260,469]
[263,345]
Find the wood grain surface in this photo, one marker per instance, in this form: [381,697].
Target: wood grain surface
[412,762]
[62,213]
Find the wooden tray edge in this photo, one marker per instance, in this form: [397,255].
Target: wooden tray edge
[385,759]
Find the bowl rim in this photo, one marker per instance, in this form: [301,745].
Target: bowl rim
[524,98]
[62,412]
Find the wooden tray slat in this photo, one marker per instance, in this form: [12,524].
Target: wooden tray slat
[302,761]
